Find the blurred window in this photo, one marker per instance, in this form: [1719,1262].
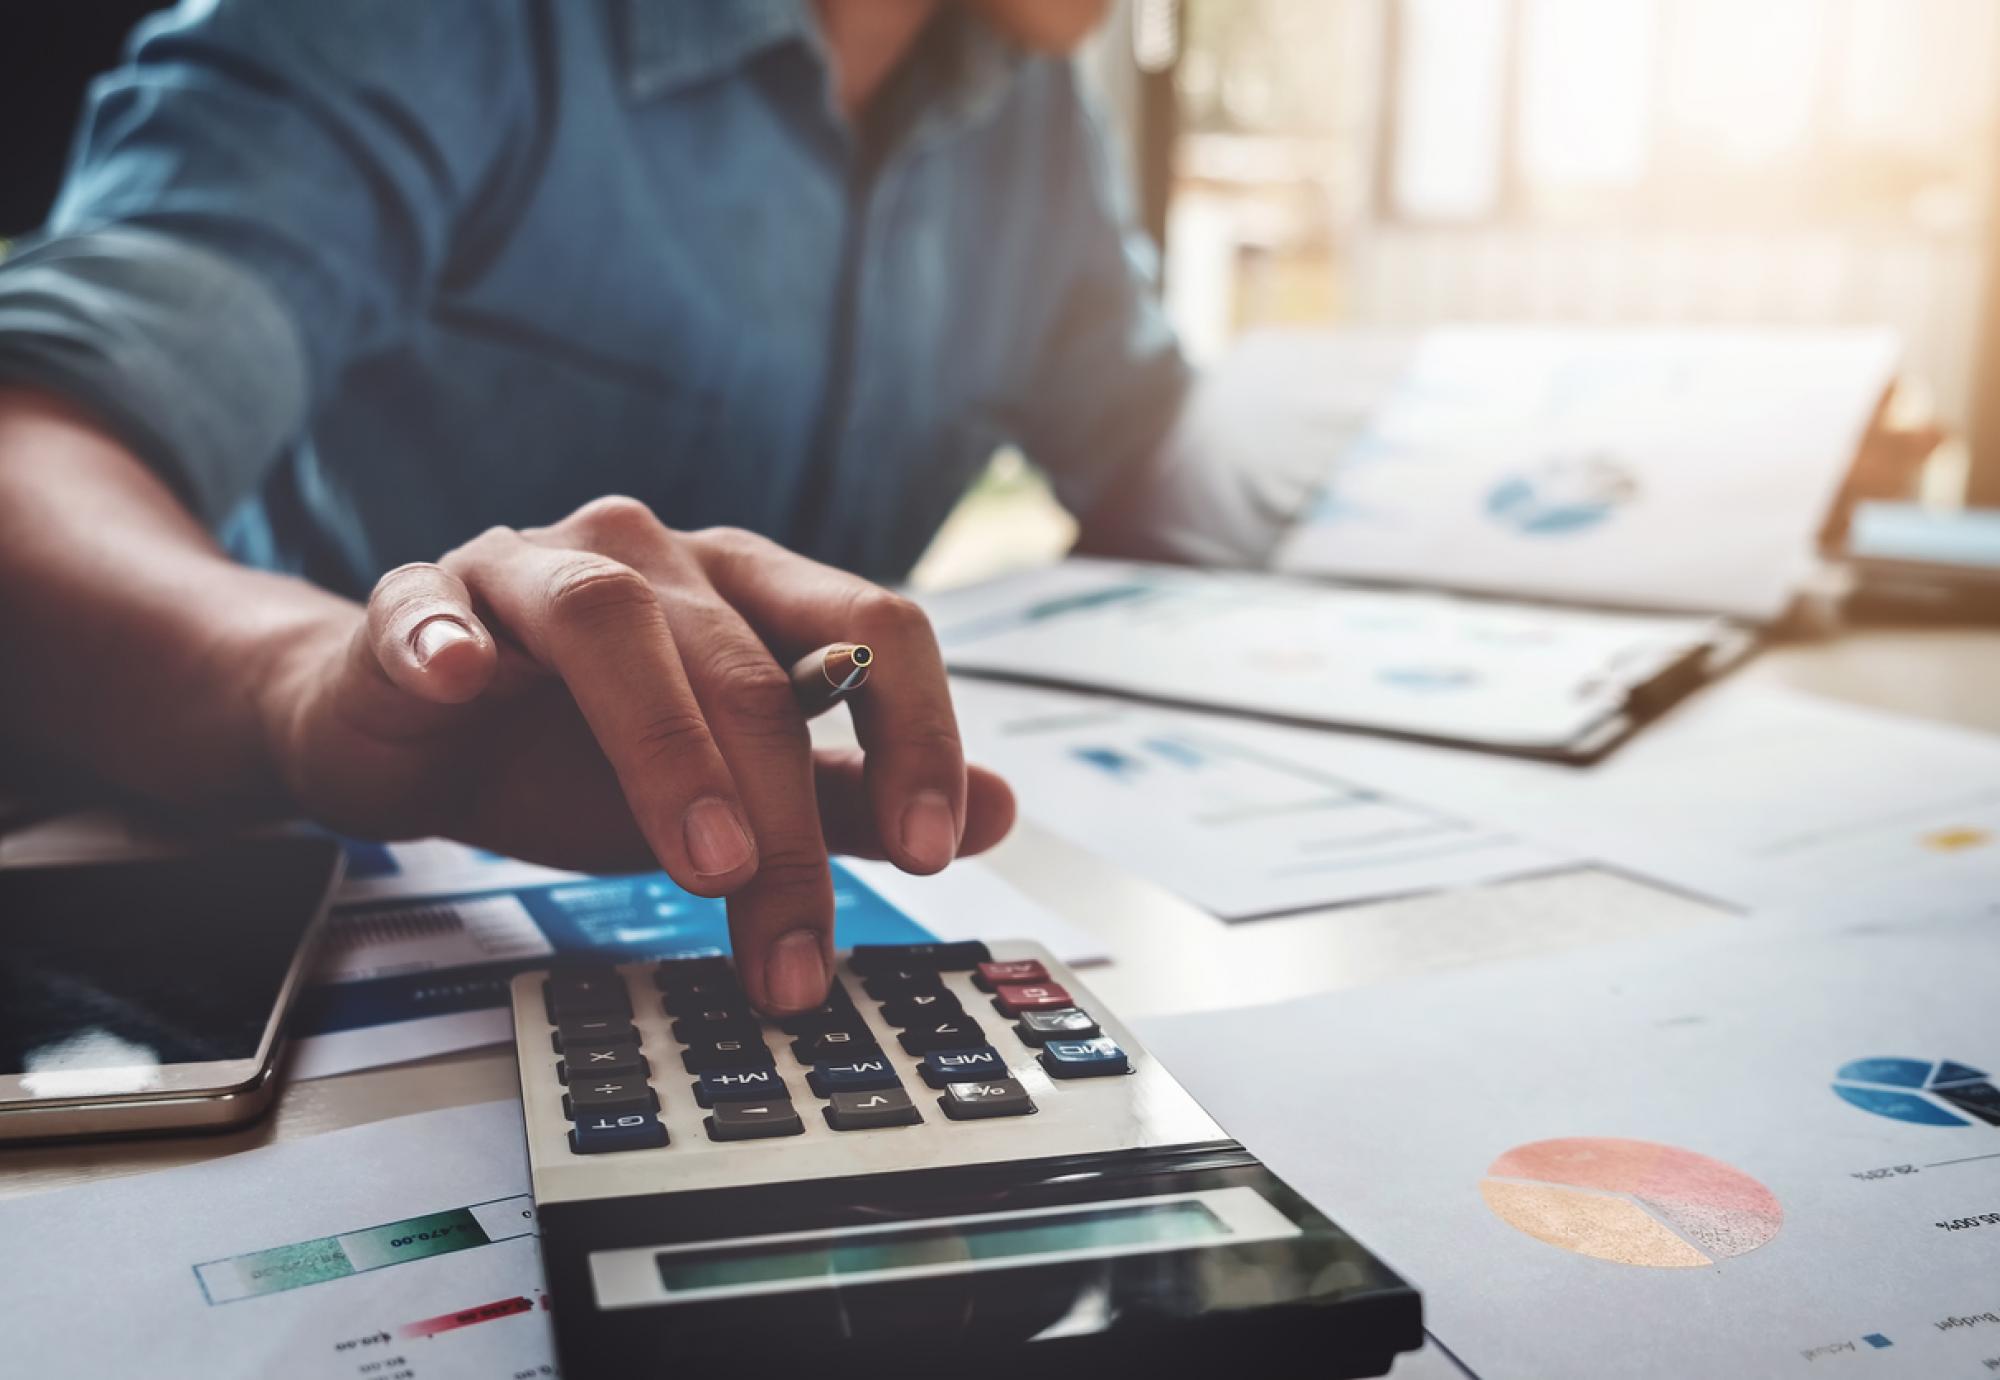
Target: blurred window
[1407,162]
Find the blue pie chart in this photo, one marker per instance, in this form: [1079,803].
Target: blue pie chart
[1924,1092]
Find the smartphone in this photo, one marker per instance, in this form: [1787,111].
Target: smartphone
[149,995]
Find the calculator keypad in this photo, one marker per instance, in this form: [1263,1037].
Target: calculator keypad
[614,1086]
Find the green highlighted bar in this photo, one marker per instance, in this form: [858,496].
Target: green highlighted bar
[332,1257]
[276,1270]
[438,1234]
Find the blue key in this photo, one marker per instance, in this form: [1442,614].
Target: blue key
[1083,1058]
[942,1066]
[739,1085]
[596,1135]
[859,1075]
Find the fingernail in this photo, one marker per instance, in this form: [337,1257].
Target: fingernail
[716,840]
[795,972]
[930,834]
[435,635]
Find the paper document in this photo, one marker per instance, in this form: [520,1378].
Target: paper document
[405,1248]
[1753,795]
[1244,822]
[1753,1149]
[1674,469]
[1425,665]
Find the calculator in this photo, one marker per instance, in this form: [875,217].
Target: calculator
[961,1165]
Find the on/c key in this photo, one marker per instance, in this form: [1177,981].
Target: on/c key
[1084,1058]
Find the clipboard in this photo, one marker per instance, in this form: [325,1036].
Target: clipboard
[1558,684]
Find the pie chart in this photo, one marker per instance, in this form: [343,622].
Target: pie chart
[1631,1201]
[1921,1091]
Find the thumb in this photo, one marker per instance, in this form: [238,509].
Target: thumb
[422,636]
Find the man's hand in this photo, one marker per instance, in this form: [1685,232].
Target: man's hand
[605,692]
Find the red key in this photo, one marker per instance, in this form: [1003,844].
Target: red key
[1014,998]
[991,975]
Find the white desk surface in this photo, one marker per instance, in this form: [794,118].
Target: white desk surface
[1172,956]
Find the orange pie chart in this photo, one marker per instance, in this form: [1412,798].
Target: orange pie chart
[1631,1201]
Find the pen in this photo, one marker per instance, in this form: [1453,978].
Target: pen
[824,678]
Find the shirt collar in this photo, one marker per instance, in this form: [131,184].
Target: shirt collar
[673,44]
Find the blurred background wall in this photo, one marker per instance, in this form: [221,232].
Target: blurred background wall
[1408,162]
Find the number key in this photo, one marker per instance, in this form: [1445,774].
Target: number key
[952,1032]
[888,984]
[586,992]
[714,1056]
[919,1007]
[700,995]
[716,1023]
[834,1047]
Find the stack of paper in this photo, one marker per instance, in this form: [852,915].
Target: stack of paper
[1506,676]
[1667,469]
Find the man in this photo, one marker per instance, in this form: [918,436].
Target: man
[340,290]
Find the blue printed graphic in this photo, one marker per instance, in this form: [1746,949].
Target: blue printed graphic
[1562,496]
[616,918]
[1429,679]
[1922,1092]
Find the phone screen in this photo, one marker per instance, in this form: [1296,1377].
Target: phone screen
[155,962]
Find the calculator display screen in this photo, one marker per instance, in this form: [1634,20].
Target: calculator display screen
[990,1241]
[139,966]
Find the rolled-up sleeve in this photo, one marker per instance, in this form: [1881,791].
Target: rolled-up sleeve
[193,363]
[264,192]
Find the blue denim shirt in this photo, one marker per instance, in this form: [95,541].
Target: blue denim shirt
[363,279]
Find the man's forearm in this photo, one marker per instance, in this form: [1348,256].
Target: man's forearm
[133,646]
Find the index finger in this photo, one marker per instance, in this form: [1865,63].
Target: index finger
[915,762]
[598,624]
